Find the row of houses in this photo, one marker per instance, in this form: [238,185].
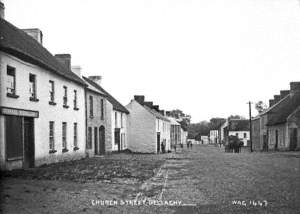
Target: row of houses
[278,127]
[50,112]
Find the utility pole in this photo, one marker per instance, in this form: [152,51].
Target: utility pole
[250,122]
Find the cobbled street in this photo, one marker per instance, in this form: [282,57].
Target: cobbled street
[203,179]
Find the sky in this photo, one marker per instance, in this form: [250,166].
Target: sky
[205,57]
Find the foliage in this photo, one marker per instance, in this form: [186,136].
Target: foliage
[260,106]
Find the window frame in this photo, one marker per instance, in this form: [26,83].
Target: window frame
[64,137]
[52,137]
[13,91]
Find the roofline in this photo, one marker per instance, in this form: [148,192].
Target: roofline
[27,58]
[273,106]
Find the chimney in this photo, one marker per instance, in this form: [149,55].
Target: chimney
[284,93]
[271,102]
[149,104]
[168,113]
[276,98]
[35,33]
[156,107]
[295,88]
[140,99]
[162,112]
[2,10]
[76,69]
[65,59]
[96,79]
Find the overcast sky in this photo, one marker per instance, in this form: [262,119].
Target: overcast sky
[205,57]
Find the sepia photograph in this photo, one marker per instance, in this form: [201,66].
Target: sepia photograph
[150,106]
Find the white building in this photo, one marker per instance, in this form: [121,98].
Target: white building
[214,136]
[148,128]
[42,116]
[235,127]
[116,134]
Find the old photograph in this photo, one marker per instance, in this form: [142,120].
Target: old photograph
[150,106]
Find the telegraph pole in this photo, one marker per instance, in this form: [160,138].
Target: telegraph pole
[250,122]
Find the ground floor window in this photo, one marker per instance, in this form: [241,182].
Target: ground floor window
[51,136]
[64,136]
[89,138]
[75,143]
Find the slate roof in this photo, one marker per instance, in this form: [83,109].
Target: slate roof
[91,87]
[280,114]
[16,42]
[156,114]
[238,125]
[116,104]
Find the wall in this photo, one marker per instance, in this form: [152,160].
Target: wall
[256,143]
[142,129]
[96,120]
[283,143]
[123,129]
[46,112]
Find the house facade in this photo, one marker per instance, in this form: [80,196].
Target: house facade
[214,136]
[235,127]
[116,123]
[38,124]
[96,120]
[146,127]
[175,131]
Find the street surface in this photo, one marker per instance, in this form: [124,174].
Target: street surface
[203,179]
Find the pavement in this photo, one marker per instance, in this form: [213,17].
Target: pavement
[203,179]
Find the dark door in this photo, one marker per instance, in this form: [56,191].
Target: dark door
[158,141]
[96,141]
[293,138]
[28,143]
[14,138]
[102,140]
[117,138]
[265,142]
[276,139]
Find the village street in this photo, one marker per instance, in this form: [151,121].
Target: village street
[203,179]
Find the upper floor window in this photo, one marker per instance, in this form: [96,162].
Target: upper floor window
[11,82]
[122,125]
[91,103]
[237,134]
[32,87]
[65,97]
[89,138]
[116,119]
[75,100]
[245,135]
[102,109]
[51,92]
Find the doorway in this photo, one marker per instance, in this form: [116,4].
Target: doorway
[102,140]
[158,142]
[293,138]
[28,161]
[276,140]
[96,141]
[117,138]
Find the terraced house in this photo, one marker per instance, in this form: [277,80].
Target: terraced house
[116,121]
[36,87]
[148,128]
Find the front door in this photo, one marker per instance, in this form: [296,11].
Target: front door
[276,139]
[158,141]
[96,141]
[117,138]
[28,142]
[293,138]
[102,140]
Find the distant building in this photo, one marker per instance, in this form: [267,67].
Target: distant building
[236,127]
[42,111]
[214,136]
[148,128]
[175,132]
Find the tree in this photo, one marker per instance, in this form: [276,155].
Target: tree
[237,117]
[260,106]
[216,122]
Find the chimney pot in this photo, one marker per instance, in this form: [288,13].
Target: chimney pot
[64,59]
[156,107]
[96,79]
[2,10]
[276,98]
[140,99]
[76,69]
[284,93]
[35,33]
[149,104]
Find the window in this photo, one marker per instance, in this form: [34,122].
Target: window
[116,119]
[11,82]
[75,100]
[122,120]
[237,134]
[51,92]
[65,97]
[89,138]
[64,137]
[245,135]
[91,101]
[32,87]
[75,143]
[51,137]
[102,109]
